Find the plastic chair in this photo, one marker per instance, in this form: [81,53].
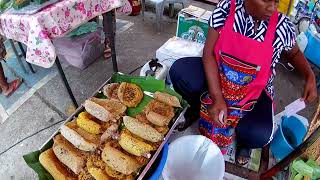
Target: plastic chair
[160,9]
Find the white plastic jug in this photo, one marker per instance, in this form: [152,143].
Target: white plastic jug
[302,41]
[194,157]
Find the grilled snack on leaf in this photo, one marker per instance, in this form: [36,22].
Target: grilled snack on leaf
[143,119]
[117,175]
[105,109]
[79,137]
[159,113]
[133,145]
[85,175]
[142,130]
[167,99]
[96,167]
[119,161]
[110,132]
[51,163]
[111,91]
[86,122]
[69,155]
[130,94]
[157,119]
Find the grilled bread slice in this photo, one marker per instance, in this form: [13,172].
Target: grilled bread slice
[134,145]
[167,99]
[119,161]
[130,94]
[157,119]
[105,109]
[52,164]
[143,119]
[79,137]
[111,91]
[69,155]
[145,131]
[164,110]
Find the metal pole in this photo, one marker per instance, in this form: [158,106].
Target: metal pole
[292,156]
[24,55]
[18,55]
[65,82]
[109,31]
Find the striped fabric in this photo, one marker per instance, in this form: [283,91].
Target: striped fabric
[244,24]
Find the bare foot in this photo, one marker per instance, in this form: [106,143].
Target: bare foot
[13,86]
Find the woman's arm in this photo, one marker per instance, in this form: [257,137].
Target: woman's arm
[297,59]
[212,75]
[210,65]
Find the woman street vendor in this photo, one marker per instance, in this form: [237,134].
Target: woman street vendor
[243,47]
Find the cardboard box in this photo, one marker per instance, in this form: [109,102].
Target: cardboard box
[193,24]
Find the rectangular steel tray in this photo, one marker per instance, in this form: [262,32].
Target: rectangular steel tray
[177,120]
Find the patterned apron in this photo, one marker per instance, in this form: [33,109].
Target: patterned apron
[244,69]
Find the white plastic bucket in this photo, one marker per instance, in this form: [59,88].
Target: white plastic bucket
[194,157]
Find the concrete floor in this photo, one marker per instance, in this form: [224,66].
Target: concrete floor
[49,104]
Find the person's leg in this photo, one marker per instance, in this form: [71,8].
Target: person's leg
[108,32]
[8,88]
[255,129]
[3,81]
[188,79]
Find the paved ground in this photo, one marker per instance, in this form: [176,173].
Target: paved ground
[47,107]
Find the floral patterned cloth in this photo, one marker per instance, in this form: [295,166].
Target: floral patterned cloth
[56,20]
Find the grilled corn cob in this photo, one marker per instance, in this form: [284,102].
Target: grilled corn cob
[85,121]
[133,145]
[98,173]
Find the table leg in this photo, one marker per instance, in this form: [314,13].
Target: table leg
[65,82]
[171,10]
[143,8]
[109,21]
[24,55]
[17,55]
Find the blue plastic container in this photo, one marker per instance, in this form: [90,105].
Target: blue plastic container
[289,136]
[312,51]
[163,155]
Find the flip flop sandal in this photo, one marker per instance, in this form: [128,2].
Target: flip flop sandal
[107,52]
[14,85]
[243,156]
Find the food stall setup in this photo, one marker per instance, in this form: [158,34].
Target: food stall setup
[125,129]
[122,128]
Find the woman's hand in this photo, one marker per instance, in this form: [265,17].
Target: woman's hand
[216,109]
[310,89]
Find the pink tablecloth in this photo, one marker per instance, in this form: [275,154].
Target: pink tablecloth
[37,30]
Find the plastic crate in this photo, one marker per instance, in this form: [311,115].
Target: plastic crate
[80,51]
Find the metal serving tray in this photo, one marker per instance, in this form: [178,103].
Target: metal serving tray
[177,119]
